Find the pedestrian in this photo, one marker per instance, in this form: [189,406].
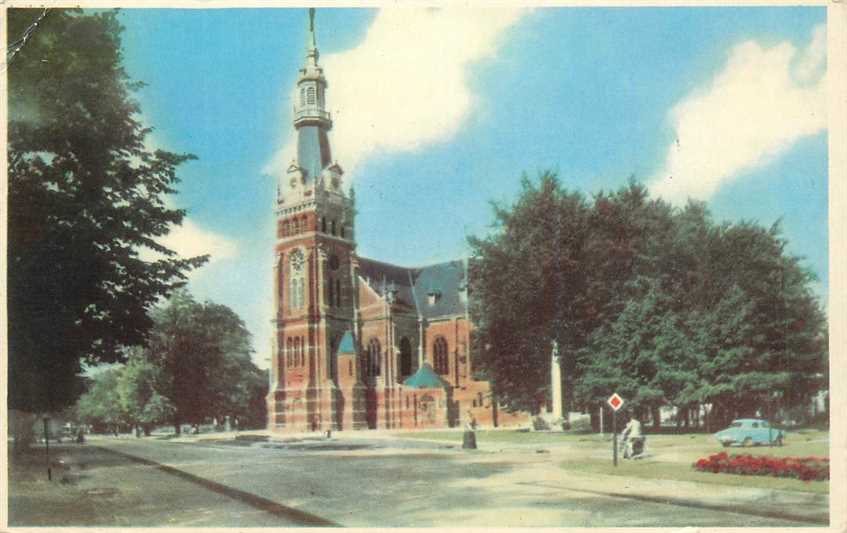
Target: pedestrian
[469,437]
[632,438]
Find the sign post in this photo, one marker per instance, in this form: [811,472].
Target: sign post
[615,402]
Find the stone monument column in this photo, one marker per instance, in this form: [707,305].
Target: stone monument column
[556,382]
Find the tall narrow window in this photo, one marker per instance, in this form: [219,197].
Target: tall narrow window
[330,289]
[405,357]
[323,224]
[289,357]
[440,356]
[310,96]
[296,279]
[338,293]
[302,96]
[332,227]
[373,357]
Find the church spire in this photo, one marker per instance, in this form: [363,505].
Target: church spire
[312,53]
[311,119]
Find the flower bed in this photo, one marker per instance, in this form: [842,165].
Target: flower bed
[804,468]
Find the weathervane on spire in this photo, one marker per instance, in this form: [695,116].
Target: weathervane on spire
[313,42]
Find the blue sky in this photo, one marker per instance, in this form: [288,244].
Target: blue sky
[438,112]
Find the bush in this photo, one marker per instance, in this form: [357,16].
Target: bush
[803,468]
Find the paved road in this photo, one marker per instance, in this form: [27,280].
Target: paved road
[99,488]
[402,484]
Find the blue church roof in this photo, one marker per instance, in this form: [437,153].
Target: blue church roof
[425,378]
[347,344]
[446,281]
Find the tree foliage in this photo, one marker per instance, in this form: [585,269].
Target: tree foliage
[197,366]
[85,195]
[204,355]
[659,304]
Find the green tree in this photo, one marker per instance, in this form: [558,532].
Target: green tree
[659,304]
[528,282]
[100,405]
[138,392]
[85,196]
[203,352]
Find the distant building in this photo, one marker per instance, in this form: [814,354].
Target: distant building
[359,343]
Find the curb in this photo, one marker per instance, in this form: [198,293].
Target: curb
[257,502]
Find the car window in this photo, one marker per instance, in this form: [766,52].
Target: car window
[764,424]
[735,425]
[755,424]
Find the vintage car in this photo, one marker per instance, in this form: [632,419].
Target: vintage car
[750,432]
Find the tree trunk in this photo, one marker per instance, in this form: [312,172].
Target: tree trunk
[657,418]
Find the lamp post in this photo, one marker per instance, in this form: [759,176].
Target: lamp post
[47,448]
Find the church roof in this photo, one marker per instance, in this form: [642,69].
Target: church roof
[347,344]
[425,378]
[434,291]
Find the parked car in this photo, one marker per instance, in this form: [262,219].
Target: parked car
[750,432]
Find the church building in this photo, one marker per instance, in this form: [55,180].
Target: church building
[360,343]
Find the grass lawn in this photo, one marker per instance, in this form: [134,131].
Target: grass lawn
[646,469]
[501,436]
[671,456]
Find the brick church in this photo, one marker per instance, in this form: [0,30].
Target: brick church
[359,343]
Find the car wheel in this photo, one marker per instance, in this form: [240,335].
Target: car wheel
[748,442]
[725,444]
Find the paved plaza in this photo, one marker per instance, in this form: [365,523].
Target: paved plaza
[379,480]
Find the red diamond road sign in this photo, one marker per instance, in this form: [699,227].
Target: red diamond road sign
[615,401]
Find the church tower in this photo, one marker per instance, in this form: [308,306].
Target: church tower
[313,270]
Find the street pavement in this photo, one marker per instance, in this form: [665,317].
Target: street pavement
[383,481]
[93,487]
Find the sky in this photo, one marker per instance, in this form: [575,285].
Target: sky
[437,112]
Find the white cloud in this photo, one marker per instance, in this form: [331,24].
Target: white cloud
[190,240]
[405,86]
[763,101]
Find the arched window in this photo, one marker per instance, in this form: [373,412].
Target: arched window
[323,224]
[302,352]
[330,292]
[373,357]
[350,368]
[440,356]
[302,96]
[296,279]
[310,96]
[332,227]
[405,357]
[342,232]
[285,228]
